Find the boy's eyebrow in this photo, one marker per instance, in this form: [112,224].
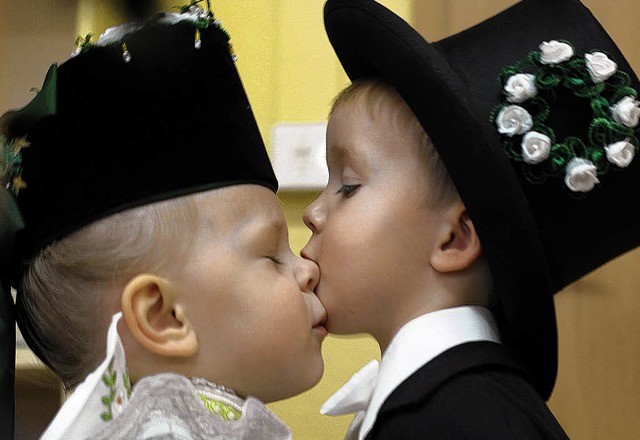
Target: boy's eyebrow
[258,227]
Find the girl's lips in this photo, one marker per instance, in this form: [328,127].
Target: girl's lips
[319,327]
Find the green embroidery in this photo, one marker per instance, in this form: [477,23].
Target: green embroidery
[109,378]
[215,406]
[12,143]
[11,163]
[127,383]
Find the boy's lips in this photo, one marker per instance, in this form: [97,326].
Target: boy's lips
[321,329]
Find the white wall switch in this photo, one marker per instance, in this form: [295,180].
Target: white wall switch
[298,155]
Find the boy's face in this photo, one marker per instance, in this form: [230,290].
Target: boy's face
[372,227]
[250,298]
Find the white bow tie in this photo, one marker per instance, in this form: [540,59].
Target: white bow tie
[354,395]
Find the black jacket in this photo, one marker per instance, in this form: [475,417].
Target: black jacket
[472,391]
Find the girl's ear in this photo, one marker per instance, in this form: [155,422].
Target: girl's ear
[458,245]
[152,310]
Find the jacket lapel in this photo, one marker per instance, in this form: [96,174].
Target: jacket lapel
[449,364]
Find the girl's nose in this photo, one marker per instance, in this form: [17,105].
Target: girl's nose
[314,216]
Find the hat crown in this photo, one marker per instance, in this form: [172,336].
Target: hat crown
[154,112]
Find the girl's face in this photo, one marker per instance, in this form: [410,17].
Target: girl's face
[372,227]
[250,298]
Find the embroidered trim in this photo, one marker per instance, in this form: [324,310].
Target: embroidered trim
[220,408]
[11,163]
[529,87]
[192,12]
[114,402]
[218,399]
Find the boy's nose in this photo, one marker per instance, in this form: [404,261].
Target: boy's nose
[314,216]
[308,274]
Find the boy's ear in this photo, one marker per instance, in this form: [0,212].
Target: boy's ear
[153,313]
[458,245]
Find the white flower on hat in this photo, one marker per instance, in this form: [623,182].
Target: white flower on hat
[626,112]
[521,87]
[600,67]
[554,52]
[535,147]
[621,153]
[513,120]
[581,175]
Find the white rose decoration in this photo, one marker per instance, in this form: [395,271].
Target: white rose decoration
[626,112]
[621,153]
[581,175]
[554,52]
[535,147]
[513,120]
[600,67]
[521,87]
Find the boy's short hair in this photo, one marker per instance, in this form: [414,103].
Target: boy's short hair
[375,92]
[71,285]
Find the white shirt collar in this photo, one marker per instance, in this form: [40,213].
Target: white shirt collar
[420,341]
[416,343]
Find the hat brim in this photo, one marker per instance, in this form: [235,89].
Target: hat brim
[373,42]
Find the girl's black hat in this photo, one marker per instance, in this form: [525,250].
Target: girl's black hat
[150,111]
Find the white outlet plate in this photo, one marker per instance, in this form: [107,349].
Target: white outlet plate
[298,155]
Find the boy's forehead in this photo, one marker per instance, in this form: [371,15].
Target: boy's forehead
[359,126]
[255,229]
[233,209]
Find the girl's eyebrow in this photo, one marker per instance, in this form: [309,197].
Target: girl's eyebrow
[340,152]
[344,154]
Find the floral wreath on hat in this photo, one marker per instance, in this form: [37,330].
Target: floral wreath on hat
[612,137]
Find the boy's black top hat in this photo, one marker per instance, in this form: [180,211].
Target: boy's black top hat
[542,224]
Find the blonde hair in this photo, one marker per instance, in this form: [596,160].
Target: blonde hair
[375,93]
[69,289]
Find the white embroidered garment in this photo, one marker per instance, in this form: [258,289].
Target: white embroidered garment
[99,398]
[163,406]
[416,343]
[170,406]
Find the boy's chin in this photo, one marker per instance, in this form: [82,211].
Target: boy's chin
[294,390]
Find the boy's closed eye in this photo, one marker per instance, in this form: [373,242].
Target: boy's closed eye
[275,259]
[347,190]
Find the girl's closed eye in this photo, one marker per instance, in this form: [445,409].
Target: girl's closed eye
[274,259]
[348,190]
